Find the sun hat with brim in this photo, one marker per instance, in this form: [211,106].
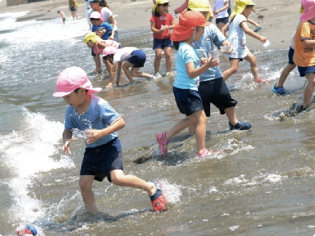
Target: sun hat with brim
[157,3]
[308,10]
[91,36]
[71,79]
[109,51]
[201,6]
[187,22]
[95,15]
[240,7]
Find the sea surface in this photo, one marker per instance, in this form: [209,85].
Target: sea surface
[258,182]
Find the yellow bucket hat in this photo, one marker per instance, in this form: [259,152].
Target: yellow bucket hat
[91,37]
[240,6]
[200,5]
[158,2]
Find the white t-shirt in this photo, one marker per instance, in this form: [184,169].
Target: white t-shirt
[105,14]
[123,54]
[219,4]
[237,37]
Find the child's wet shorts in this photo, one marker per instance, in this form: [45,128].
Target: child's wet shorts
[306,70]
[290,56]
[100,161]
[240,59]
[137,58]
[73,8]
[222,20]
[216,92]
[188,101]
[162,43]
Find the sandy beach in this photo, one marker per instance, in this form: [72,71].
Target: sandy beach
[278,18]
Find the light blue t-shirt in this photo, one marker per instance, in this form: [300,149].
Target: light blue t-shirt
[211,37]
[237,37]
[99,115]
[186,54]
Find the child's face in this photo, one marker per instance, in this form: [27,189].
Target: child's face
[75,99]
[248,10]
[90,44]
[96,22]
[95,5]
[163,8]
[198,33]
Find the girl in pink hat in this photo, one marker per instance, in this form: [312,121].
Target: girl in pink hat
[188,68]
[304,54]
[100,123]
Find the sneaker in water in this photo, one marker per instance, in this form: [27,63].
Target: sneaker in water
[278,90]
[240,126]
[157,75]
[299,108]
[158,199]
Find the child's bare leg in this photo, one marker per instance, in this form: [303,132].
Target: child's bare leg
[125,66]
[157,59]
[119,178]
[284,74]
[179,126]
[97,63]
[168,58]
[231,115]
[308,92]
[234,64]
[253,64]
[85,183]
[201,127]
[111,71]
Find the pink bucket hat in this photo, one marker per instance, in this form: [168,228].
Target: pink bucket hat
[109,50]
[72,78]
[95,15]
[308,10]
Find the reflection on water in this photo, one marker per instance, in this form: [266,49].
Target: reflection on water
[257,182]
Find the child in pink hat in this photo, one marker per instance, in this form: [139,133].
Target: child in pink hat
[99,122]
[304,55]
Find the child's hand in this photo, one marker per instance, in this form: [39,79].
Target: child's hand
[263,39]
[212,62]
[66,146]
[204,60]
[92,135]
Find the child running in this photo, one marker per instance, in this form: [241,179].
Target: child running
[97,45]
[100,122]
[161,23]
[304,54]
[185,88]
[130,59]
[212,88]
[238,29]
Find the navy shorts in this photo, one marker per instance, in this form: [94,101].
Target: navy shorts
[222,20]
[216,92]
[290,56]
[306,70]
[188,101]
[100,161]
[240,59]
[137,58]
[162,43]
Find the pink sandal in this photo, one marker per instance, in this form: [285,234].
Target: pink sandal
[162,141]
[204,153]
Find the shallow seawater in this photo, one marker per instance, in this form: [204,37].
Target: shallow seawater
[257,182]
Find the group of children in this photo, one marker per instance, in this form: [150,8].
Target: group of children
[198,83]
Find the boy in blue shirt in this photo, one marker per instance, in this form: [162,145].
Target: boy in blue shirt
[103,29]
[100,123]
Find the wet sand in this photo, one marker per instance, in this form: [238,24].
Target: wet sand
[278,18]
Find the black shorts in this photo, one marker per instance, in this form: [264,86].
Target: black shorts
[188,101]
[101,160]
[222,20]
[216,92]
[290,56]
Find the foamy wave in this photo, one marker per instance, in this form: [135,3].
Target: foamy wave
[172,192]
[256,180]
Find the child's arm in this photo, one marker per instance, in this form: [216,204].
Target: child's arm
[310,43]
[194,72]
[94,134]
[252,22]
[226,6]
[252,33]
[67,140]
[154,29]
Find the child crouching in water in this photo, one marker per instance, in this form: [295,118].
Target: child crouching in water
[130,59]
[185,88]
[304,54]
[97,45]
[100,122]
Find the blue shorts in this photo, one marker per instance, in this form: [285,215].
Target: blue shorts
[290,56]
[216,92]
[162,43]
[100,161]
[222,20]
[188,101]
[306,70]
[240,59]
[137,58]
